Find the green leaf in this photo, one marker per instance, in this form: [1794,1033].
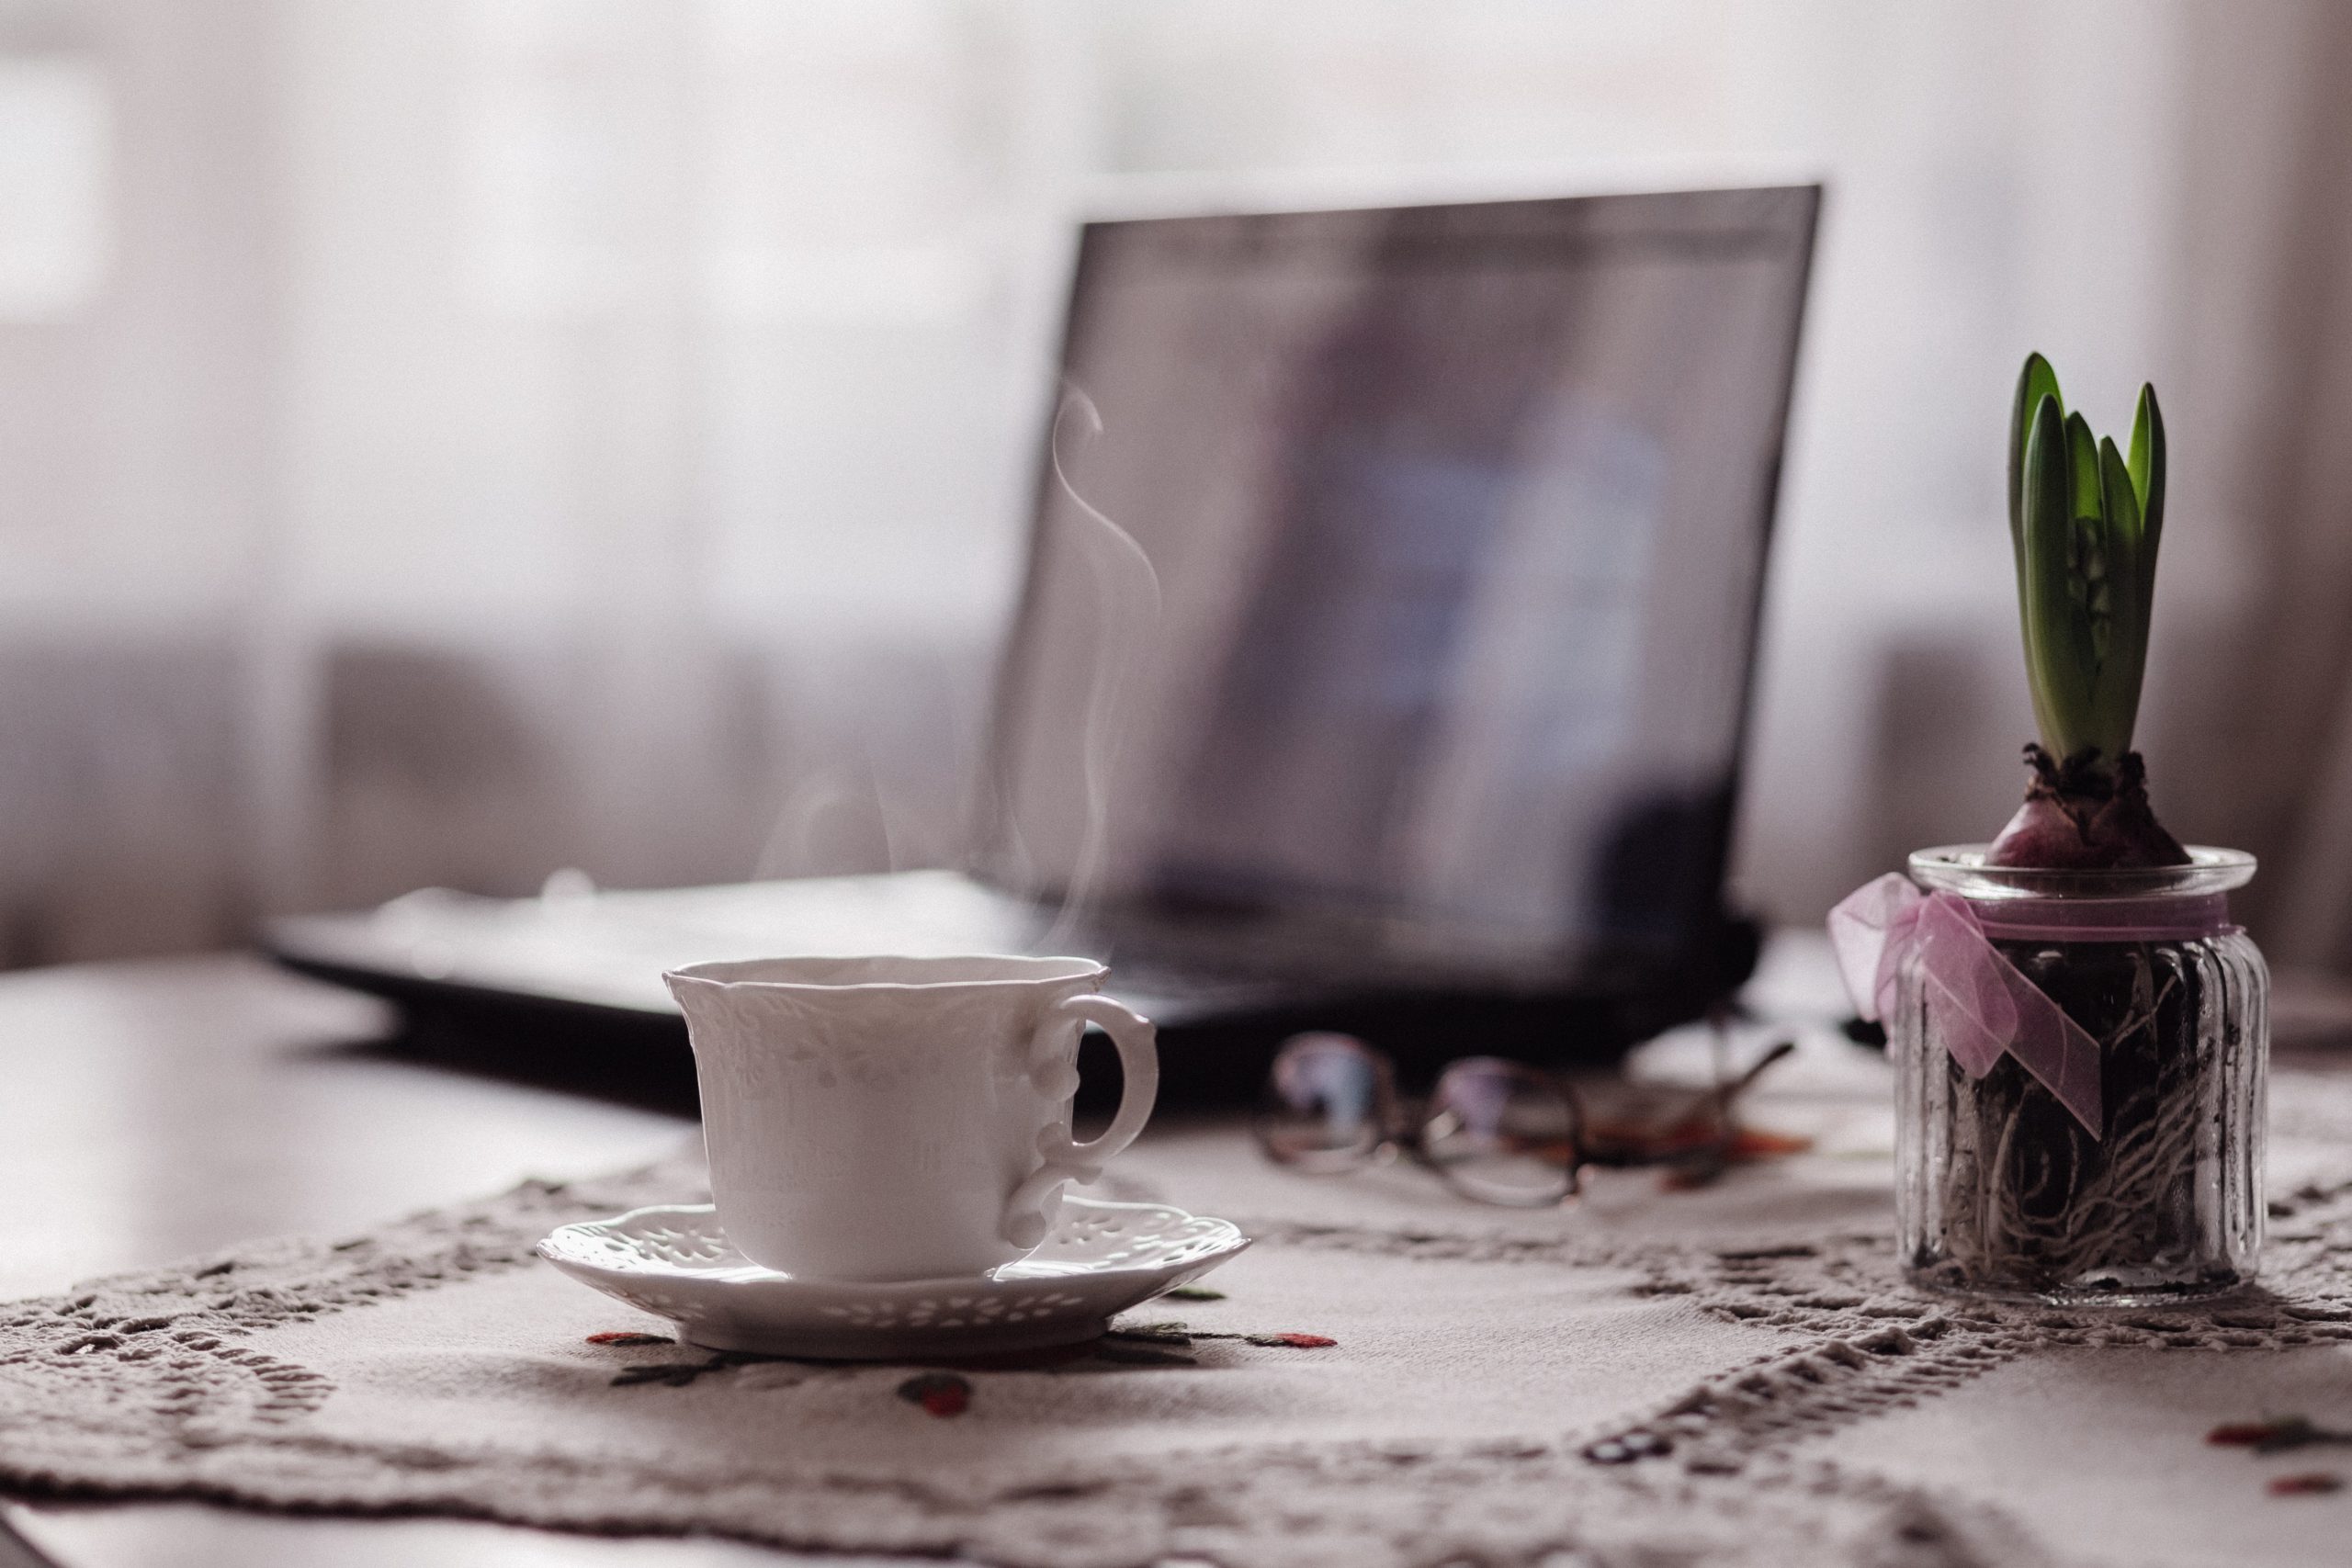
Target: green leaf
[2148,478]
[2119,499]
[2147,426]
[2058,656]
[2116,696]
[2082,455]
[2035,382]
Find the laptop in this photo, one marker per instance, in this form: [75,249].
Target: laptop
[1382,661]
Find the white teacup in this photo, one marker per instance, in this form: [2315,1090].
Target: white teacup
[900,1118]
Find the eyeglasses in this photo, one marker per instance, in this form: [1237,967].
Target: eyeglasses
[1495,1131]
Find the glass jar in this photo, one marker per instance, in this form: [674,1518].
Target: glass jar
[2000,1189]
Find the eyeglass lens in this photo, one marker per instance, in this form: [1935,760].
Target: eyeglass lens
[1502,1133]
[1329,1104]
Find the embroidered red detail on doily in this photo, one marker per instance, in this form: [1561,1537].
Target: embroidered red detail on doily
[939,1393]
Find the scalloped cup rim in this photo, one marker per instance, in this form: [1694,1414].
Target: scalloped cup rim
[883,971]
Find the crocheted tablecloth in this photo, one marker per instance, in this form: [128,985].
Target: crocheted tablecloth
[1389,1377]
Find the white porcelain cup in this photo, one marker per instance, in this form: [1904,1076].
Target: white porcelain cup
[900,1118]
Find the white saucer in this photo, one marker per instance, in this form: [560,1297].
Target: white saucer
[1101,1259]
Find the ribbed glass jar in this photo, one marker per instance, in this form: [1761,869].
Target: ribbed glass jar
[2000,1190]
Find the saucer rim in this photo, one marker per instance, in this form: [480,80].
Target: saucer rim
[1233,1242]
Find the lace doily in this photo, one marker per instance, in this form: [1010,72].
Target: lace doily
[435,1367]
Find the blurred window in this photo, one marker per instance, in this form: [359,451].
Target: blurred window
[53,185]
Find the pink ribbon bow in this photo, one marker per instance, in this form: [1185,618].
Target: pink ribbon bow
[1981,1005]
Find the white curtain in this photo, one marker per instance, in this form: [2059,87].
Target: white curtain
[503,434]
[2257,707]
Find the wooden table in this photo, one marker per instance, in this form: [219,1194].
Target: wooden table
[157,1110]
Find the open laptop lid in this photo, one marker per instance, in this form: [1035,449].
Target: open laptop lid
[1457,516]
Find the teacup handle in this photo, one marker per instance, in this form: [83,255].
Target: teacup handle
[1066,1158]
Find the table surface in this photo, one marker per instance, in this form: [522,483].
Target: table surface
[159,1109]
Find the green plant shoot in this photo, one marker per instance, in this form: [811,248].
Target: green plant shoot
[2085,521]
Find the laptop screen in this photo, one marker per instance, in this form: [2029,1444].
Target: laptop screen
[1456,521]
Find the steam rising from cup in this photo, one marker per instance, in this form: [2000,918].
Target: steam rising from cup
[1126,605]
[874,743]
[860,799]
